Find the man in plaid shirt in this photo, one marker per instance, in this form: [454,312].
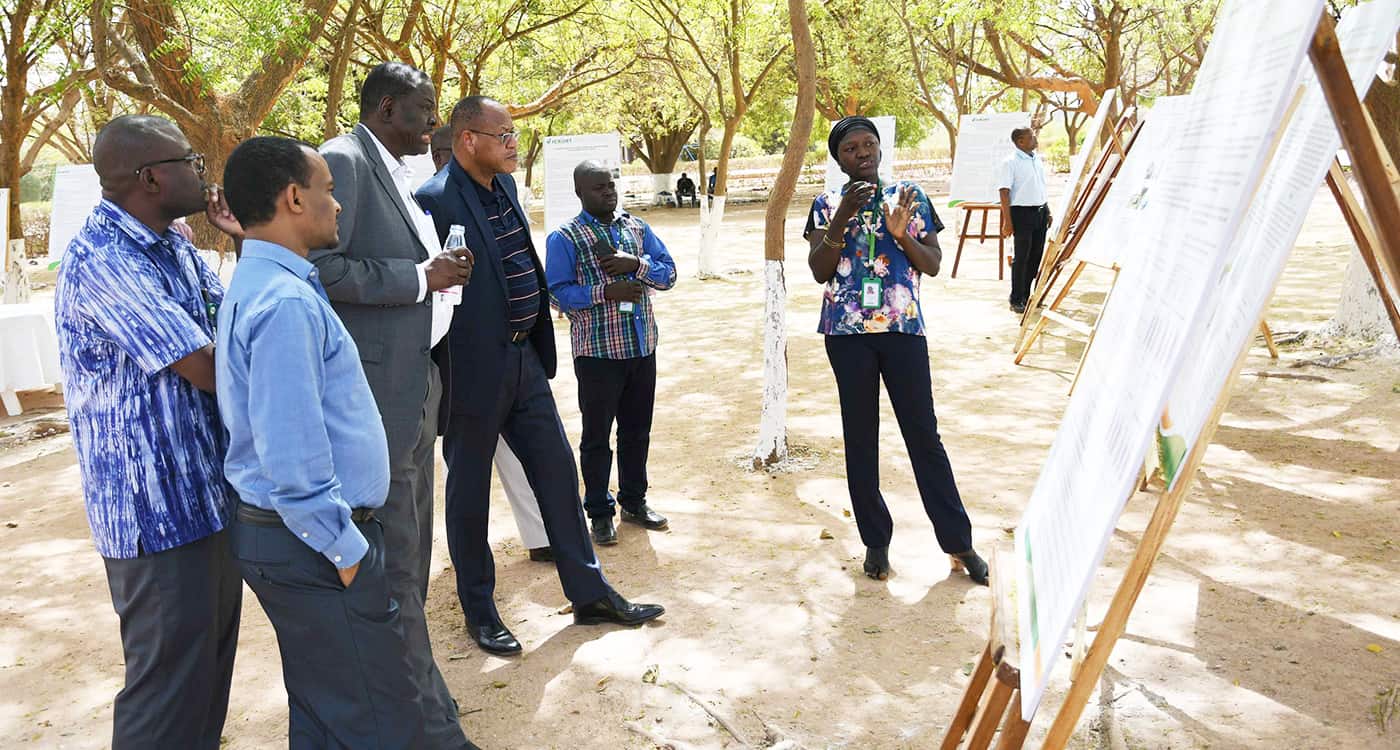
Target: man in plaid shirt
[600,267]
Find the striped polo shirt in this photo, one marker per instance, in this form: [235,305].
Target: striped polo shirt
[513,238]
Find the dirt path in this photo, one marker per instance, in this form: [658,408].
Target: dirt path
[1255,630]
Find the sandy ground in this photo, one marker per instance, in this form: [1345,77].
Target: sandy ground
[1272,619]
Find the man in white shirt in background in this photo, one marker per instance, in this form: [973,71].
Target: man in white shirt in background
[1024,212]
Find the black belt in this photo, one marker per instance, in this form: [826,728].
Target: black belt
[519,337]
[258,517]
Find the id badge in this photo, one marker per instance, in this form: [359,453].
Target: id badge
[870,292]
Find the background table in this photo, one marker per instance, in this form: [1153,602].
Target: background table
[28,351]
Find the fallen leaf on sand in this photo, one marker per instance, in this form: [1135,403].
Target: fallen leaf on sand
[649,676]
[826,535]
[498,684]
[564,610]
[1374,648]
[603,684]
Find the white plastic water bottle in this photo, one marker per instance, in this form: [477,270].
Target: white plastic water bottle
[456,241]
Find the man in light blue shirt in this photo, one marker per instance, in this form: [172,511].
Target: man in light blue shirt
[310,461]
[1024,213]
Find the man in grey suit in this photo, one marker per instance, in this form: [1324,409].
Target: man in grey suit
[382,280]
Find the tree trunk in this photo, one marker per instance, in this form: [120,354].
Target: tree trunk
[12,126]
[772,424]
[343,45]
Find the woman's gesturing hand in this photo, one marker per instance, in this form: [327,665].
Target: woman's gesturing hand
[897,216]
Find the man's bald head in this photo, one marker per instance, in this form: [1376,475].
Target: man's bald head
[590,168]
[146,166]
[596,190]
[129,141]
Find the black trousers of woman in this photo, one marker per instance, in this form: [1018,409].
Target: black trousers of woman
[860,362]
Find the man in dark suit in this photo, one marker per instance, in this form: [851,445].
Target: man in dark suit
[381,280]
[496,365]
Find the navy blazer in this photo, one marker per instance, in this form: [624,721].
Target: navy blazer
[471,356]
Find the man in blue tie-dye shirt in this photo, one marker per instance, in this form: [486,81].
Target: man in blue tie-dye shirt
[135,310]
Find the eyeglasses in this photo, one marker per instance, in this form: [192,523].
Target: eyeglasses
[195,160]
[507,138]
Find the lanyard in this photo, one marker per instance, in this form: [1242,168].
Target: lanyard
[869,217]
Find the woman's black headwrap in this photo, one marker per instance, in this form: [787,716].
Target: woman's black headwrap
[845,127]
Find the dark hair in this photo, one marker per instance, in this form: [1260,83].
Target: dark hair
[258,171]
[1018,132]
[466,110]
[391,79]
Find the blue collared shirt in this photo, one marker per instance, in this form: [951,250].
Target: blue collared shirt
[150,449]
[305,437]
[1024,175]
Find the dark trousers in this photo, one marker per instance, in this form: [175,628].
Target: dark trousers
[526,417]
[859,362]
[1029,224]
[407,519]
[345,659]
[179,612]
[621,390]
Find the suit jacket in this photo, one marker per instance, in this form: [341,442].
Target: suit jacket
[472,354]
[372,281]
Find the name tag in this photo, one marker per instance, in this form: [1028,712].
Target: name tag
[870,292]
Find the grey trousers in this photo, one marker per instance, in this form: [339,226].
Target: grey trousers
[344,658]
[179,612]
[407,517]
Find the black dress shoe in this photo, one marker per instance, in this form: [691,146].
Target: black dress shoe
[645,517]
[603,530]
[613,608]
[975,566]
[493,638]
[542,554]
[877,562]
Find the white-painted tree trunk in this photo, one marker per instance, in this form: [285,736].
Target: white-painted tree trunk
[661,183]
[711,216]
[1360,313]
[772,423]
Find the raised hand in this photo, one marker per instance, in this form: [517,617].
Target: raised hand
[217,210]
[897,216]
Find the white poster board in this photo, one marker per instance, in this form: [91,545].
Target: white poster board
[1106,240]
[1235,110]
[884,124]
[561,154]
[1257,257]
[984,141]
[75,193]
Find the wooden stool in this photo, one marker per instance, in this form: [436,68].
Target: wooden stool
[981,235]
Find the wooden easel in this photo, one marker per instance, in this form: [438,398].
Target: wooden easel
[1084,208]
[1063,237]
[981,236]
[1378,237]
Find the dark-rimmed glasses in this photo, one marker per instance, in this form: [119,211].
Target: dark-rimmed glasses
[194,160]
[506,137]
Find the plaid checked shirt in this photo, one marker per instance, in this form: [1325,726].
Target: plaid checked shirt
[576,280]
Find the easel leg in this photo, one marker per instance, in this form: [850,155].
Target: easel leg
[968,707]
[1014,729]
[962,238]
[1084,357]
[991,716]
[1054,305]
[11,401]
[1268,339]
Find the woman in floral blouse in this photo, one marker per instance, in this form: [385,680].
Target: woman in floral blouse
[871,242]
